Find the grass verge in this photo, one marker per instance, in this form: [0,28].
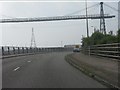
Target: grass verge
[89,71]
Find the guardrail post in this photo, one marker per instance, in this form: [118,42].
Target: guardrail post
[13,50]
[36,49]
[89,50]
[96,50]
[39,49]
[33,50]
[30,50]
[9,50]
[3,51]
[18,50]
[27,49]
[22,49]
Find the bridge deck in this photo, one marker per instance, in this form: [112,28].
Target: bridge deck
[97,16]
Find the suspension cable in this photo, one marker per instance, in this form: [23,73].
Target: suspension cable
[112,8]
[83,9]
[7,16]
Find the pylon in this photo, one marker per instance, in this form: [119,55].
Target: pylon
[33,43]
[102,19]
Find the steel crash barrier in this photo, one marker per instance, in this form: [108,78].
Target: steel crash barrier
[104,50]
[9,50]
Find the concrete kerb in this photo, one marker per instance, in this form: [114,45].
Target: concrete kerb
[69,59]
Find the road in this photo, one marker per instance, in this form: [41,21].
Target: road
[48,70]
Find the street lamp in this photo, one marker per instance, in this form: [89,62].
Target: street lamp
[94,28]
[87,19]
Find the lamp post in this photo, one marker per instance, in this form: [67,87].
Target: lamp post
[94,28]
[87,20]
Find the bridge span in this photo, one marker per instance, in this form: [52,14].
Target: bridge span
[55,18]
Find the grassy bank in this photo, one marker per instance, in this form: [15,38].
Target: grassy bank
[102,75]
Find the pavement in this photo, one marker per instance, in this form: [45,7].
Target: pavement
[105,68]
[48,70]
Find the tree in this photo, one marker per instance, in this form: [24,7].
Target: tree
[96,37]
[85,41]
[99,38]
[108,39]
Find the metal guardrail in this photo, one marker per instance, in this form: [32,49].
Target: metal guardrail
[7,50]
[104,50]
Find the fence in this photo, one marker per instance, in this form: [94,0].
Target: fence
[7,50]
[104,50]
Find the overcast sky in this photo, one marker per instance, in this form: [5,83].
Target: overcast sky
[50,33]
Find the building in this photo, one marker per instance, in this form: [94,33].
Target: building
[72,46]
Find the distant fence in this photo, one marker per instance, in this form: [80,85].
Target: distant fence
[104,50]
[7,50]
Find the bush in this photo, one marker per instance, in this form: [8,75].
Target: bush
[99,38]
[108,39]
[95,38]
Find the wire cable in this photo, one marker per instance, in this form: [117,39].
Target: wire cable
[112,8]
[83,9]
[10,17]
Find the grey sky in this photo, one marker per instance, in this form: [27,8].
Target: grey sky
[50,33]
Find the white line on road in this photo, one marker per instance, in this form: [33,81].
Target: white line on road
[28,61]
[16,69]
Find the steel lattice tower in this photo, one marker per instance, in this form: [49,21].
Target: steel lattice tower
[33,43]
[102,19]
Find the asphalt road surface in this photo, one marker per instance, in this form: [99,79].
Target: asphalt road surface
[48,70]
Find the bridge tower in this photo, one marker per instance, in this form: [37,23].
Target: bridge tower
[33,43]
[102,19]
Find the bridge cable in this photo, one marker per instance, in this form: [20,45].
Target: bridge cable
[82,9]
[112,8]
[64,15]
[10,17]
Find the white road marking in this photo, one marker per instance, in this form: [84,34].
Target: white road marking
[16,69]
[28,61]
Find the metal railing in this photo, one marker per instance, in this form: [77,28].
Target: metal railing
[9,50]
[104,50]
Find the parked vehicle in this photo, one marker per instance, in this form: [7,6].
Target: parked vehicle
[76,50]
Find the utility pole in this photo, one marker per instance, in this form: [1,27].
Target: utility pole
[33,43]
[87,20]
